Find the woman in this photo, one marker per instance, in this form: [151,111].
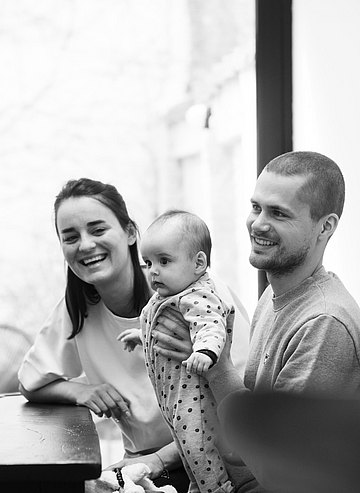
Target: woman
[105,292]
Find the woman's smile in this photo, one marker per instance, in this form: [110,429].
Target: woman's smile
[93,260]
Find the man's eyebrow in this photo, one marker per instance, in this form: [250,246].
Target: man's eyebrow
[90,223]
[280,208]
[273,207]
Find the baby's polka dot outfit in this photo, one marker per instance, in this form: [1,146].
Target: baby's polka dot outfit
[186,400]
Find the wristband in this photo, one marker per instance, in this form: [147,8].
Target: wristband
[165,472]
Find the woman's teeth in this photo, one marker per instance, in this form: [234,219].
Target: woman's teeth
[93,260]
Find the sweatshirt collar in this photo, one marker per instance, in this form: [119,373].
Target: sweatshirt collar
[284,299]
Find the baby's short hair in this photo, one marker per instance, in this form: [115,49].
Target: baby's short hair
[196,234]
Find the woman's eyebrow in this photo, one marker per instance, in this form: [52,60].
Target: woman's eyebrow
[67,230]
[90,223]
[95,223]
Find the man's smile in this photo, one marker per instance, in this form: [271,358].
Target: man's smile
[263,241]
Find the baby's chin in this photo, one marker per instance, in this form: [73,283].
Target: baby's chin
[163,291]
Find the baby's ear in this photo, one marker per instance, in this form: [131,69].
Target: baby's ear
[200,262]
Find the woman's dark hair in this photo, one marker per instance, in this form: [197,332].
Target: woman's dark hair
[79,293]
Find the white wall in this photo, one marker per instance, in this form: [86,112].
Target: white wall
[326,51]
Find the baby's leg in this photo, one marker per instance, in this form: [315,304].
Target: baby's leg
[196,427]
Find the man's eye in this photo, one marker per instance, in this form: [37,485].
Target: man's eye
[98,231]
[255,207]
[278,213]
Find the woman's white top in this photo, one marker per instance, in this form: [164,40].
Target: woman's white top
[96,353]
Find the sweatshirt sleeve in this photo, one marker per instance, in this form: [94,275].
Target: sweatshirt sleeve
[320,358]
[52,355]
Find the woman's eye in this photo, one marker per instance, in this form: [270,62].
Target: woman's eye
[69,239]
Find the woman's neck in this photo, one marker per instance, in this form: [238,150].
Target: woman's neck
[119,297]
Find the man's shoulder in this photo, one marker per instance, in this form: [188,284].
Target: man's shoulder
[338,300]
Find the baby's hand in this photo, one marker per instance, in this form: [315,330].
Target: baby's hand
[130,338]
[198,363]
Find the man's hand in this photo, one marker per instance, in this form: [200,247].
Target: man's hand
[172,336]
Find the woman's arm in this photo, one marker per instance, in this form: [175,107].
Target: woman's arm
[102,399]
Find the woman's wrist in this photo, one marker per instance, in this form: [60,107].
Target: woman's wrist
[162,467]
[168,457]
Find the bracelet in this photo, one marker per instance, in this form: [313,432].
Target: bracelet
[165,472]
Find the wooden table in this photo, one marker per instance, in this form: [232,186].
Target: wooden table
[46,448]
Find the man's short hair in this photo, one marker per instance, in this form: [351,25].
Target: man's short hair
[324,190]
[195,232]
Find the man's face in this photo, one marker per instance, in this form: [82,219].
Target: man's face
[282,233]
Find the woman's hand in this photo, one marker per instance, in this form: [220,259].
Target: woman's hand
[102,399]
[172,336]
[151,460]
[165,458]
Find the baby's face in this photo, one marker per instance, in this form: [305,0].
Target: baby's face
[165,252]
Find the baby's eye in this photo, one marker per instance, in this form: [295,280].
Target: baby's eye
[147,263]
[164,261]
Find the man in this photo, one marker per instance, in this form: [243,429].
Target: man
[306,329]
[305,333]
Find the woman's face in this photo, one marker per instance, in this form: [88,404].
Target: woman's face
[93,242]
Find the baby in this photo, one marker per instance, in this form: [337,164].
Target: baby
[176,250]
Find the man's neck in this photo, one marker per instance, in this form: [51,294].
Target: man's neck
[282,284]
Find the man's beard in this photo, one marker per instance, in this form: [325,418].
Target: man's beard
[280,265]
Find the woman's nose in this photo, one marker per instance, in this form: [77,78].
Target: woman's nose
[86,243]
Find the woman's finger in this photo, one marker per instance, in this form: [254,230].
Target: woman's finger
[118,404]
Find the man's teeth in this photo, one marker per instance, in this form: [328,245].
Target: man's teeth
[261,242]
[91,260]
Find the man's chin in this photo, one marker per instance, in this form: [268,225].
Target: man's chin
[258,262]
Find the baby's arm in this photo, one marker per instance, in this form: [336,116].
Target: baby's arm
[131,338]
[198,362]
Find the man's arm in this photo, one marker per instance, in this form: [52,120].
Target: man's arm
[320,359]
